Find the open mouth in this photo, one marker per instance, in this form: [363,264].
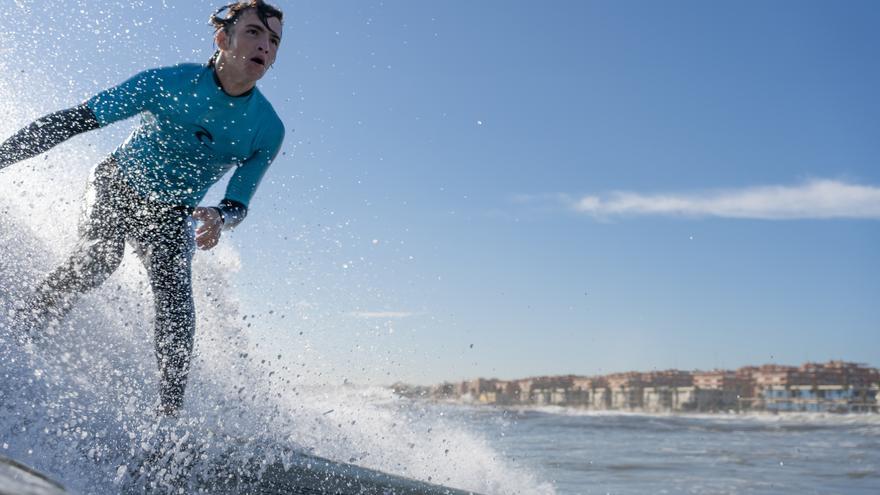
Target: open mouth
[258,60]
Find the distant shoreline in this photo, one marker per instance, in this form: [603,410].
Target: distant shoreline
[834,387]
[585,411]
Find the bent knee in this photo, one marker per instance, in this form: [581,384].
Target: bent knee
[98,259]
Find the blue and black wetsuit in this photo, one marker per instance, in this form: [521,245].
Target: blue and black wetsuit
[191,133]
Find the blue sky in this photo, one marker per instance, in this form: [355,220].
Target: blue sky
[510,188]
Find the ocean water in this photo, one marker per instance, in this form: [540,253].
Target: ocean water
[581,452]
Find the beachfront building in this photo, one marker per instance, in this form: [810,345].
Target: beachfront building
[444,390]
[474,388]
[685,399]
[485,391]
[719,390]
[836,386]
[590,392]
[745,375]
[660,392]
[552,390]
[658,399]
[626,390]
[600,398]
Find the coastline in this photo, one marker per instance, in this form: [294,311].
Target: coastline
[838,387]
[562,410]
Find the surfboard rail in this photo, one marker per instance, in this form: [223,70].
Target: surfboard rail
[303,474]
[17,478]
[306,474]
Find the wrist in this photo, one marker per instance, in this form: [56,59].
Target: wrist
[232,212]
[219,214]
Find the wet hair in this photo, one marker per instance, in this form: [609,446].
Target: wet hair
[233,11]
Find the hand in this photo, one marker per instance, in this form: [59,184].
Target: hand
[208,234]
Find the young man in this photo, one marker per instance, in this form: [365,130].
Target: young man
[197,122]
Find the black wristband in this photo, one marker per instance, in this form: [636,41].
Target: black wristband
[231,212]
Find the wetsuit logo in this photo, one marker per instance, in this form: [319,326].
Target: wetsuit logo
[203,134]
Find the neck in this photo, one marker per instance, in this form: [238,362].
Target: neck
[233,84]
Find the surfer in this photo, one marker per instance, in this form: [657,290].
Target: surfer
[198,121]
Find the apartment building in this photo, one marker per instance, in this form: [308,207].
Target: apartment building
[835,386]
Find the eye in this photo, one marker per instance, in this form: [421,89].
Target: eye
[251,31]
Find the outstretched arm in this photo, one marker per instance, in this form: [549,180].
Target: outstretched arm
[46,132]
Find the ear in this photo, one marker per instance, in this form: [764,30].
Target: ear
[221,39]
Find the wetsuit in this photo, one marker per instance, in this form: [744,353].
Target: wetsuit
[191,133]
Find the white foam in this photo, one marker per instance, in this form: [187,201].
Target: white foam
[816,418]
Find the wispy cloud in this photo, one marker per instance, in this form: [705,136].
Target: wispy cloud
[814,199]
[385,315]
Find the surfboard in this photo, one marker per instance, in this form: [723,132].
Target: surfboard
[311,475]
[255,468]
[18,479]
[303,475]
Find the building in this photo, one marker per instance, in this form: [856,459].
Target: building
[626,390]
[659,393]
[552,390]
[720,390]
[835,386]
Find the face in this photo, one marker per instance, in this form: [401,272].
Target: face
[249,48]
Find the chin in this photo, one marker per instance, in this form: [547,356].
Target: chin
[256,73]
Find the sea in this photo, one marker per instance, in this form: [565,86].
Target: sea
[584,452]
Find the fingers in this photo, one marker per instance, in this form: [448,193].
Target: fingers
[200,213]
[207,237]
[208,234]
[205,245]
[206,215]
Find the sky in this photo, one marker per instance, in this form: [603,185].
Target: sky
[517,188]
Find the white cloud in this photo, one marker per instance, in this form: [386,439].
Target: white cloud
[385,315]
[815,199]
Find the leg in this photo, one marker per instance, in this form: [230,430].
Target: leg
[91,263]
[168,258]
[97,255]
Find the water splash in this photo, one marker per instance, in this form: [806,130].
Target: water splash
[78,403]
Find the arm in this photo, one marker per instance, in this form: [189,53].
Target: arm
[230,212]
[241,188]
[114,104]
[47,132]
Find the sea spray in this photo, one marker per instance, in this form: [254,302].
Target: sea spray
[77,402]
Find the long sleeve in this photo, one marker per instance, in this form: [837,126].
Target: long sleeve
[47,132]
[247,176]
[129,98]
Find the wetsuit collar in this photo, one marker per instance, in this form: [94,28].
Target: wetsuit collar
[220,85]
